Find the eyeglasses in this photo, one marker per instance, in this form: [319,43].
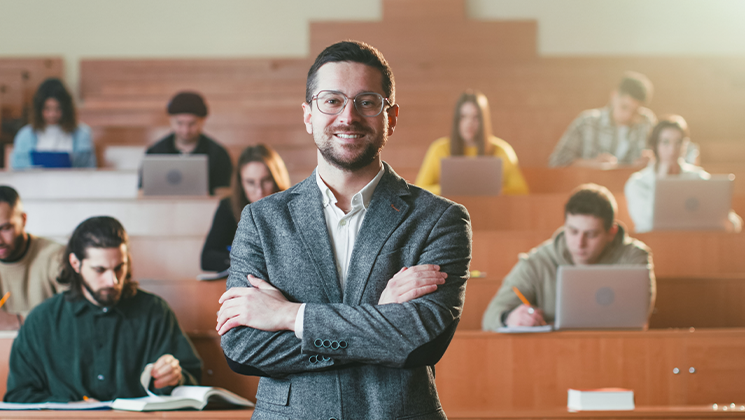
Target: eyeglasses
[368,104]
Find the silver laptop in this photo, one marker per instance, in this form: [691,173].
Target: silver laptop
[690,204]
[602,297]
[463,175]
[174,175]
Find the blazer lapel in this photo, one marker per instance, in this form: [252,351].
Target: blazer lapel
[307,215]
[386,211]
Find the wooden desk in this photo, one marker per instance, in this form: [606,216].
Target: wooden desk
[67,184]
[127,415]
[680,253]
[682,302]
[644,412]
[147,216]
[526,212]
[492,372]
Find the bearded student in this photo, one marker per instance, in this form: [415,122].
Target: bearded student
[93,341]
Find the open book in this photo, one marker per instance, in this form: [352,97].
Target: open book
[185,396]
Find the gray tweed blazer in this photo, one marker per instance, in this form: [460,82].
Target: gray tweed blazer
[357,359]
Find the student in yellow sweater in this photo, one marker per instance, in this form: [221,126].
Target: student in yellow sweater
[471,136]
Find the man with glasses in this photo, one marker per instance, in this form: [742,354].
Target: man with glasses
[346,289]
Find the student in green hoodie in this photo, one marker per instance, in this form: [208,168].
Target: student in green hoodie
[590,235]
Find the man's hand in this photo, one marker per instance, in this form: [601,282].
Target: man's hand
[166,372]
[262,307]
[525,316]
[411,283]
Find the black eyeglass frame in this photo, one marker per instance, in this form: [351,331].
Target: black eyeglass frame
[354,100]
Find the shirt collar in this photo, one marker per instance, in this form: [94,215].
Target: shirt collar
[82,305]
[364,195]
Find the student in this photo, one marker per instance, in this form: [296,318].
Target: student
[54,128]
[259,173]
[471,136]
[325,299]
[590,235]
[29,265]
[615,135]
[669,141]
[187,113]
[95,340]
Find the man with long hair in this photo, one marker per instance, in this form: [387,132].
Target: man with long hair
[93,341]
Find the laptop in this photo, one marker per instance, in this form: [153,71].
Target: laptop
[471,176]
[51,159]
[692,204]
[602,297]
[174,175]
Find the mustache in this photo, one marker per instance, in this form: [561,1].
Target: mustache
[348,127]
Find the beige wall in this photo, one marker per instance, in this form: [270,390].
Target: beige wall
[78,29]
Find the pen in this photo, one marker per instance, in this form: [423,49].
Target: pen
[5,297]
[85,398]
[523,299]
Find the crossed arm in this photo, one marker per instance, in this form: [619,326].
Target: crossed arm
[411,324]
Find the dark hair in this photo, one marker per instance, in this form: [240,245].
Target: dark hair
[54,88]
[357,52]
[95,232]
[9,195]
[636,85]
[482,135]
[670,121]
[272,160]
[593,200]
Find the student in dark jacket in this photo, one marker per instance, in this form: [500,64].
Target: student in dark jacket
[260,172]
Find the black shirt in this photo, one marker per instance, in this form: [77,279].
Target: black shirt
[215,254]
[220,166]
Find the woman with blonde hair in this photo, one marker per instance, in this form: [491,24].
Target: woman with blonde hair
[260,172]
[471,136]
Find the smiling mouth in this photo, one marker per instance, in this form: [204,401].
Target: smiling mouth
[348,136]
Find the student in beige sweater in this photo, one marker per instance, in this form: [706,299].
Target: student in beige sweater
[29,265]
[590,235]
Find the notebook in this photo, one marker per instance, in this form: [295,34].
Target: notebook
[602,297]
[51,159]
[471,176]
[174,175]
[692,204]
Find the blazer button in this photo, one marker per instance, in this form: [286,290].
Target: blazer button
[313,359]
[327,343]
[325,359]
[334,345]
[318,343]
[342,344]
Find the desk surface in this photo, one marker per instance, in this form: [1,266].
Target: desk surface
[112,414]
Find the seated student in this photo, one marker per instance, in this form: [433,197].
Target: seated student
[29,265]
[611,136]
[590,235]
[95,340]
[669,141]
[260,172]
[471,136]
[187,111]
[54,128]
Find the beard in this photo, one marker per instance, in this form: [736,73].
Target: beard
[107,296]
[351,157]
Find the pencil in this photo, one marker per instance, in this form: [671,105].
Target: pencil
[5,298]
[520,295]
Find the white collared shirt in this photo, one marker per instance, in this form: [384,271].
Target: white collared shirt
[343,229]
[53,139]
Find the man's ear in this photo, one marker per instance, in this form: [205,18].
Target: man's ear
[613,231]
[392,114]
[306,117]
[75,263]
